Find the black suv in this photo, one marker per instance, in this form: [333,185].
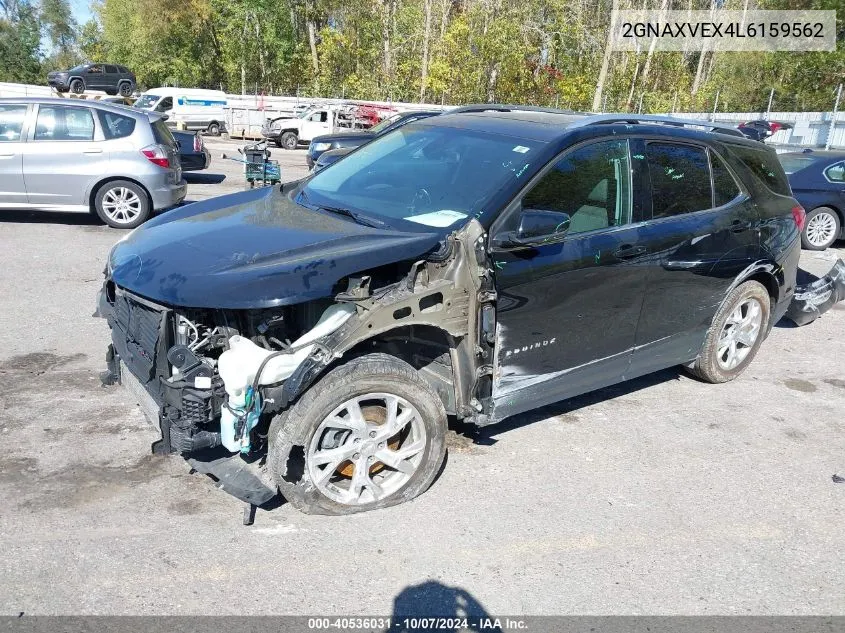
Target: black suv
[314,338]
[111,78]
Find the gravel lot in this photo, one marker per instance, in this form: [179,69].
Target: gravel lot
[663,495]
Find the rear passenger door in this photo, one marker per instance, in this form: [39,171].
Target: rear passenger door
[64,156]
[703,232]
[567,308]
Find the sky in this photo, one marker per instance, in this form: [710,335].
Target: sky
[81,10]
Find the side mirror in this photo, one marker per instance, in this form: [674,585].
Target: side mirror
[536,226]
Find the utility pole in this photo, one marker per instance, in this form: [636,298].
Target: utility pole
[769,108]
[833,117]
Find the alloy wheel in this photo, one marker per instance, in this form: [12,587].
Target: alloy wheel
[739,334]
[821,229]
[366,449]
[122,205]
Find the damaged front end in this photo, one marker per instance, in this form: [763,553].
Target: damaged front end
[213,379]
[814,298]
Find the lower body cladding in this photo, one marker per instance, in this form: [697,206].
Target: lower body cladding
[264,400]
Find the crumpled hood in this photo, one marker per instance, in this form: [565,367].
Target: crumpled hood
[253,249]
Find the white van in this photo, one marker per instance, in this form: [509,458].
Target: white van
[189,108]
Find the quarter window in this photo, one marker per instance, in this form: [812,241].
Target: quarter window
[11,122]
[59,123]
[116,125]
[836,173]
[765,165]
[592,184]
[725,188]
[680,179]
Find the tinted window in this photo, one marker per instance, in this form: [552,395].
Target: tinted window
[836,173]
[680,179]
[765,165]
[431,175]
[116,125]
[591,184]
[165,104]
[162,133]
[122,69]
[725,188]
[111,69]
[59,123]
[11,122]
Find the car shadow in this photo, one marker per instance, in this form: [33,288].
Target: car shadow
[196,178]
[486,435]
[26,216]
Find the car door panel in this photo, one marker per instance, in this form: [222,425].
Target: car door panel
[13,128]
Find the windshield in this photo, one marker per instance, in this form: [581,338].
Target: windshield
[791,164]
[147,101]
[386,123]
[431,175]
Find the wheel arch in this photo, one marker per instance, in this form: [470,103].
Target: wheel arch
[96,187]
[769,275]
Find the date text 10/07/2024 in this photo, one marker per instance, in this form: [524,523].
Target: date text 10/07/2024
[417,624]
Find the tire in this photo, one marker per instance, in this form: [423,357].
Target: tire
[821,229]
[125,89]
[122,204]
[214,128]
[714,361]
[297,435]
[289,140]
[77,86]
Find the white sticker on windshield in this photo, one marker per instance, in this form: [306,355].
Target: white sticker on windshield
[521,149]
[445,217]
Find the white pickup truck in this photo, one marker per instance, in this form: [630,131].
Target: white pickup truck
[288,132]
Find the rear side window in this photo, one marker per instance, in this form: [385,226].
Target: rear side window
[725,188]
[836,173]
[116,125]
[162,133]
[680,179]
[791,164]
[59,123]
[111,69]
[11,122]
[764,164]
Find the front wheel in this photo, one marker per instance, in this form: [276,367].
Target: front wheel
[821,229]
[370,434]
[735,335]
[122,204]
[77,87]
[289,140]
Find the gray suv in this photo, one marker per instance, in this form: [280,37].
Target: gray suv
[69,155]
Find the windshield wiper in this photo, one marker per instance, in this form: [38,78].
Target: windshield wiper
[358,217]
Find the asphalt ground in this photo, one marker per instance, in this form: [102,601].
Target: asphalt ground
[663,495]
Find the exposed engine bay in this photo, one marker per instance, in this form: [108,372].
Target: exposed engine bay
[214,378]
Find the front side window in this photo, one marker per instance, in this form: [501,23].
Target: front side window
[725,188]
[11,122]
[431,175]
[59,123]
[319,117]
[680,179]
[592,184]
[95,69]
[836,173]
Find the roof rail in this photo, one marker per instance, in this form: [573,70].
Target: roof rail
[634,119]
[506,107]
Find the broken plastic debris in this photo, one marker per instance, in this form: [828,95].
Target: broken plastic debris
[813,299]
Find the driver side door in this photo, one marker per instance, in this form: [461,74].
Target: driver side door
[568,304]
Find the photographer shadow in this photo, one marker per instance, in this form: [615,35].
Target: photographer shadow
[415,606]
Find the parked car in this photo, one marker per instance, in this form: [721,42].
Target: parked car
[193,154]
[760,130]
[353,139]
[111,78]
[80,155]
[478,265]
[331,157]
[290,131]
[191,108]
[818,183]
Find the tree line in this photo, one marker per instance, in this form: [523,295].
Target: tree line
[541,52]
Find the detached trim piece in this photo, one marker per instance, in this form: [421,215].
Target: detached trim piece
[815,298]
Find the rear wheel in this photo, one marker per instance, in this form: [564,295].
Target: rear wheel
[122,204]
[737,331]
[214,128]
[77,87]
[370,434]
[125,89]
[289,140]
[821,229]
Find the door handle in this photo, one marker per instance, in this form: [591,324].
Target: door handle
[627,251]
[93,150]
[738,226]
